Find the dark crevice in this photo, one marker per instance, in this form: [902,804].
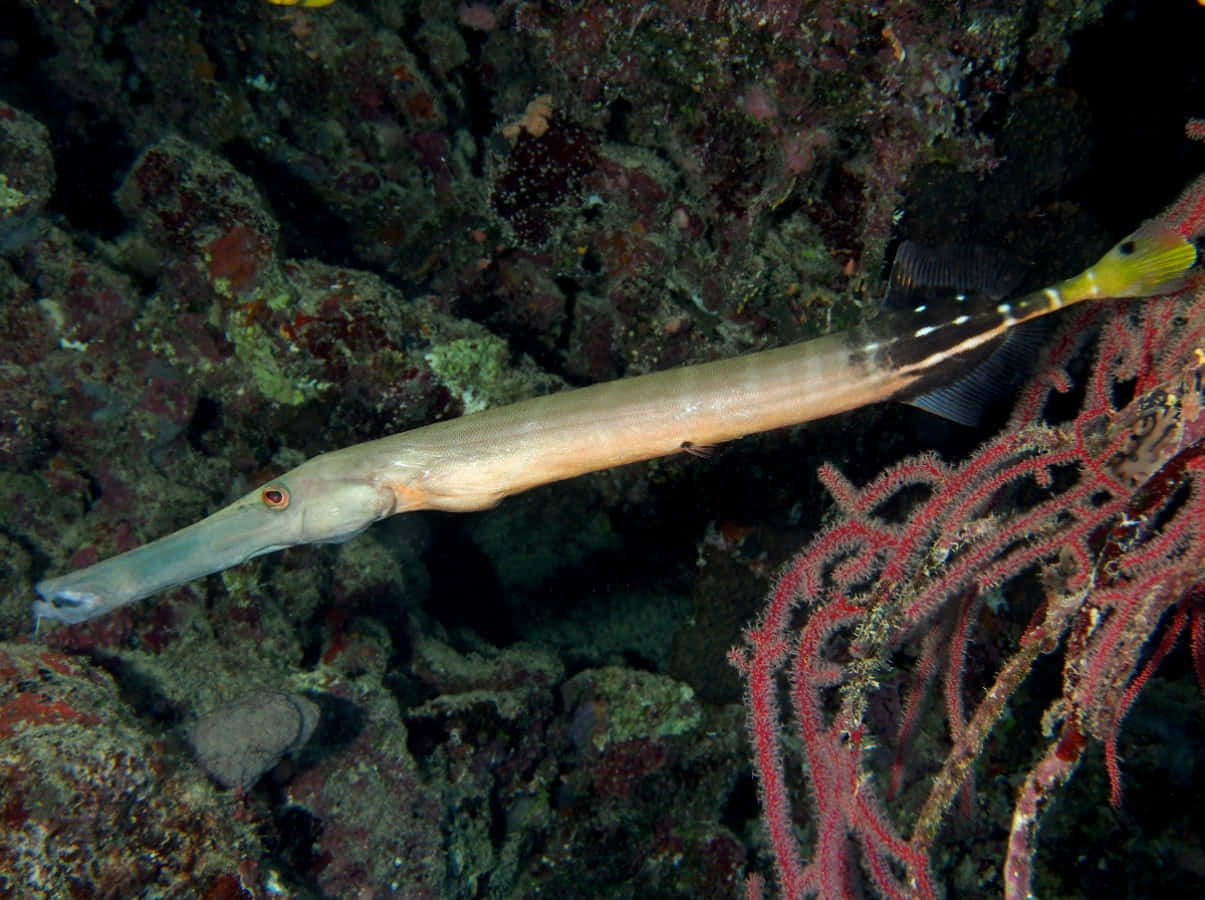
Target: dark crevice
[304,217]
[1141,160]
[463,580]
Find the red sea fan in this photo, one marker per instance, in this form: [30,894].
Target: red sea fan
[1102,515]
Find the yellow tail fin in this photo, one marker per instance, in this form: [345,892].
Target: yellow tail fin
[1153,260]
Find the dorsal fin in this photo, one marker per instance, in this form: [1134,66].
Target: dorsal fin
[934,286]
[922,274]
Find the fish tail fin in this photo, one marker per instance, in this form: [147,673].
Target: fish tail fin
[1153,260]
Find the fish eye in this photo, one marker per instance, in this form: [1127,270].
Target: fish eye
[1126,248]
[275,497]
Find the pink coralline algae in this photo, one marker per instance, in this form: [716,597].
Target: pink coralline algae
[138,822]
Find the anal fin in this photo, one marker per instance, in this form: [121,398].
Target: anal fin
[1004,369]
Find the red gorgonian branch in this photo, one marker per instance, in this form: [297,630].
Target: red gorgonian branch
[1102,517]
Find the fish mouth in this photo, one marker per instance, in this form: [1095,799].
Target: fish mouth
[66,604]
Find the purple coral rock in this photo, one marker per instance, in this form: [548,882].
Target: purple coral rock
[240,741]
[183,197]
[543,172]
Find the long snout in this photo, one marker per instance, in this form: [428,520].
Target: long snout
[228,537]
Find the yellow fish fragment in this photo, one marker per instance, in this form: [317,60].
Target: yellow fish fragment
[310,3]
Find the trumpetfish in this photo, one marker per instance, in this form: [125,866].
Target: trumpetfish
[472,462]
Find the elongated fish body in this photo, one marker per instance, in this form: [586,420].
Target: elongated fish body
[472,462]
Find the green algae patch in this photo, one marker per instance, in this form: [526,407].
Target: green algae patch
[11,198]
[478,371]
[260,354]
[624,704]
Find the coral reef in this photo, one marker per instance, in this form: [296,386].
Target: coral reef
[235,235]
[79,769]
